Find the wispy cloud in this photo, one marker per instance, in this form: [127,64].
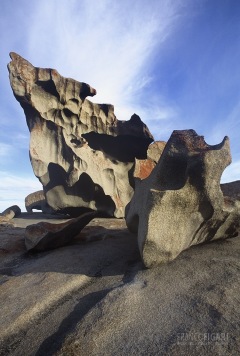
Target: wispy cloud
[118,47]
[14,189]
[108,44]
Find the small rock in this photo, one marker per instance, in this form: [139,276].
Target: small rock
[44,236]
[10,213]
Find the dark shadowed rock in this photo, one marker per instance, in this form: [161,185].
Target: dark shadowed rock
[181,204]
[44,236]
[80,152]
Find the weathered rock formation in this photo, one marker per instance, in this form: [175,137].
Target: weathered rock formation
[37,201]
[81,153]
[10,213]
[181,204]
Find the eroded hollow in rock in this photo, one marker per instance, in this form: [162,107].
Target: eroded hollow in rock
[123,148]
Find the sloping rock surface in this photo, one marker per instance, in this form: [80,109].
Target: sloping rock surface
[80,152]
[180,203]
[96,297]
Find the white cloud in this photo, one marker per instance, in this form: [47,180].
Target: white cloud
[14,189]
[108,44]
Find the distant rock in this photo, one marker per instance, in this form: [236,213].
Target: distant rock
[81,153]
[155,150]
[181,204]
[231,190]
[143,167]
[37,201]
[10,213]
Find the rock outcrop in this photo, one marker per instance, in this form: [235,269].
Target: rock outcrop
[181,204]
[37,201]
[81,153]
[9,213]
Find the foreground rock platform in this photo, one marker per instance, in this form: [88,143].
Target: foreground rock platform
[95,297]
[81,153]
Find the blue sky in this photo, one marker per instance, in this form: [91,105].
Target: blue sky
[174,63]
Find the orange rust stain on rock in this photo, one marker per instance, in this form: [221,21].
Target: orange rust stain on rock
[143,168]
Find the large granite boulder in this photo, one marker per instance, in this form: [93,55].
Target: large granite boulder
[81,153]
[180,203]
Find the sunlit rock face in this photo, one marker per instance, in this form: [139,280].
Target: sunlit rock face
[81,153]
[180,203]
